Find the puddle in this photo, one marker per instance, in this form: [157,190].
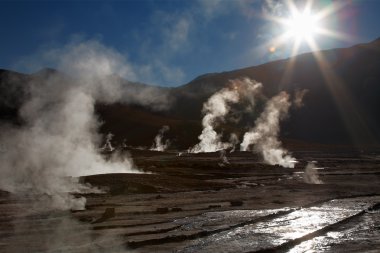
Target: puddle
[213,220]
[270,234]
[361,234]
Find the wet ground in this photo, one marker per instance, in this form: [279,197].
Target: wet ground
[203,203]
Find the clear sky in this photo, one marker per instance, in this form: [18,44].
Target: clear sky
[171,42]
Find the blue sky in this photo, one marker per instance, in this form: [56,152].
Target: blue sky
[171,42]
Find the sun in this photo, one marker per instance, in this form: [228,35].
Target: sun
[306,25]
[302,26]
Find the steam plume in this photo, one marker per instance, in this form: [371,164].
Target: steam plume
[108,145]
[59,139]
[234,140]
[215,110]
[298,98]
[158,145]
[223,158]
[264,136]
[311,174]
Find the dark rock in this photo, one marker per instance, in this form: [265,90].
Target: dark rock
[162,210]
[236,203]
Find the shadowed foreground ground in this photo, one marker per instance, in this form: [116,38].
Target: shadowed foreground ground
[200,203]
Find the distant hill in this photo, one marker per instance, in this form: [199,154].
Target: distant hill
[342,105]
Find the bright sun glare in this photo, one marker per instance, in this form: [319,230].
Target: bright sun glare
[302,26]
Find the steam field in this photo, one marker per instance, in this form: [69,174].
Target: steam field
[205,203]
[199,126]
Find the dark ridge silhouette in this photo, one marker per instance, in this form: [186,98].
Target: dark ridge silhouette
[342,105]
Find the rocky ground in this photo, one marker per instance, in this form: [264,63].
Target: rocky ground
[207,203]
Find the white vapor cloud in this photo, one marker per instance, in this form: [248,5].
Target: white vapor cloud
[273,8]
[216,108]
[59,139]
[299,96]
[167,37]
[108,145]
[178,33]
[212,8]
[158,144]
[234,140]
[105,65]
[263,138]
[91,59]
[310,175]
[99,59]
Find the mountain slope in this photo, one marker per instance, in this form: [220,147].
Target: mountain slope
[342,104]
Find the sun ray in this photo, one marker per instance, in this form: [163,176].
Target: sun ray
[354,122]
[330,10]
[335,34]
[289,68]
[304,26]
